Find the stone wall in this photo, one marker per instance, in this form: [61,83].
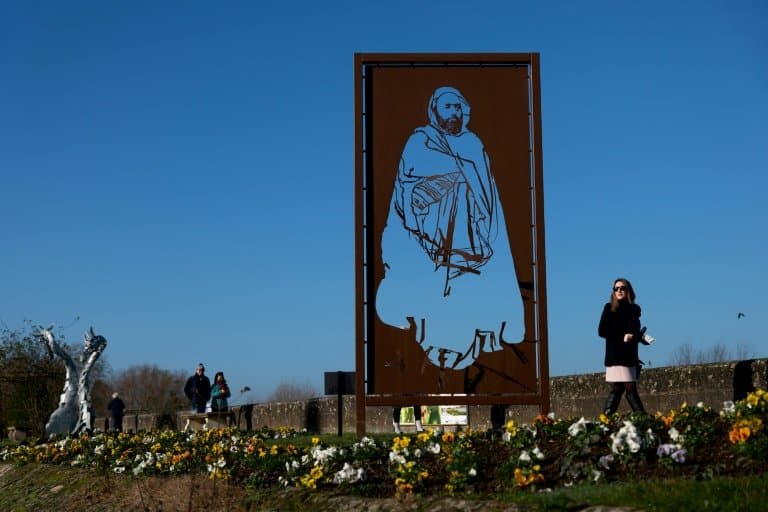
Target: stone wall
[661,389]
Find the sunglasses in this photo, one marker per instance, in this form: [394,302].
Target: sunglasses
[619,288]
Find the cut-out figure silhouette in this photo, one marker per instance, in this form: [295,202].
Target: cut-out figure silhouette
[445,244]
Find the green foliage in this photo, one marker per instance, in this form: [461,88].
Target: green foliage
[462,461]
[698,425]
[748,420]
[30,379]
[578,461]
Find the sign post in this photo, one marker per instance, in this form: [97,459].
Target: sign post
[340,383]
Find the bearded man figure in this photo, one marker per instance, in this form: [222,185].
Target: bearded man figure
[445,244]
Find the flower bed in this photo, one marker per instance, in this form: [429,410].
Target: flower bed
[547,453]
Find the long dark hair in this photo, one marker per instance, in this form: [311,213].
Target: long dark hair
[216,378]
[630,295]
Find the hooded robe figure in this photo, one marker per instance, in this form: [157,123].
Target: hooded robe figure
[445,243]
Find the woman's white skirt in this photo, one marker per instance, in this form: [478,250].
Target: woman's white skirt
[620,373]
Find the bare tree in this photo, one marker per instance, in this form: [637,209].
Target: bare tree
[719,352]
[683,355]
[290,391]
[744,352]
[150,388]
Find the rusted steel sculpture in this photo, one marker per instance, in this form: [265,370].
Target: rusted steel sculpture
[74,412]
[449,228]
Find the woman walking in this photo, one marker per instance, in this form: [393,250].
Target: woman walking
[620,326]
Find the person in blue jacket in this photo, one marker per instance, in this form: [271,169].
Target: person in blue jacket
[219,393]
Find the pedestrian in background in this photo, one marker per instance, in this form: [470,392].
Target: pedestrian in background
[219,393]
[198,389]
[116,409]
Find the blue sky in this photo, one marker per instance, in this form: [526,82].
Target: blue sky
[180,174]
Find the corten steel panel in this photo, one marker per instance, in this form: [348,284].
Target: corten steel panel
[392,93]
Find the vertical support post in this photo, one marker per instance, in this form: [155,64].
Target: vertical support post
[360,268]
[340,382]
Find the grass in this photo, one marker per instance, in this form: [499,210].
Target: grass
[734,494]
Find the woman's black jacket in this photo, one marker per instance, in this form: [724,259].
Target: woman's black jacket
[613,326]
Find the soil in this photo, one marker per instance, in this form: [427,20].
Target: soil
[47,488]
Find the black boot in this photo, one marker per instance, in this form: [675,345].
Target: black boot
[613,400]
[634,401]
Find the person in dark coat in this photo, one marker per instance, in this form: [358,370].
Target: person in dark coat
[620,326]
[198,389]
[116,409]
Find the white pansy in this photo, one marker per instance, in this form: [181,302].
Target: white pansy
[365,442]
[321,456]
[348,474]
[664,450]
[679,455]
[138,469]
[578,427]
[626,436]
